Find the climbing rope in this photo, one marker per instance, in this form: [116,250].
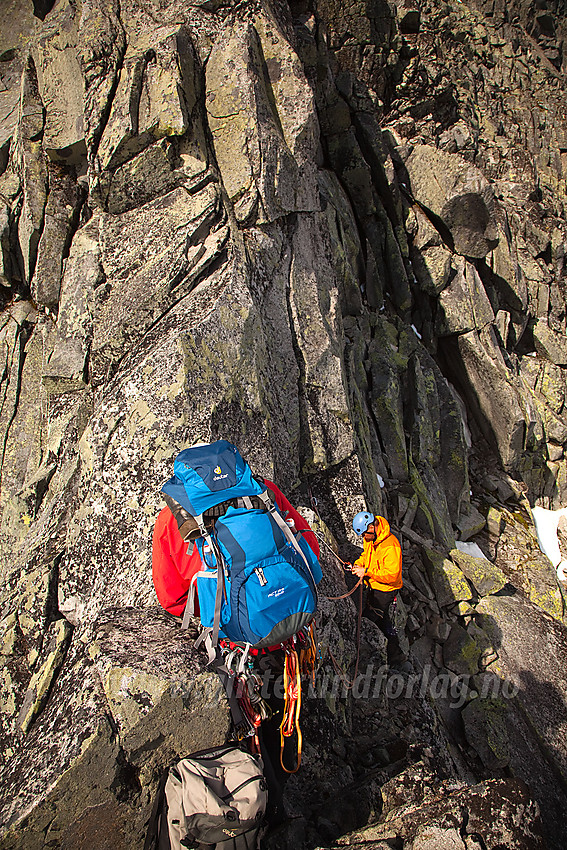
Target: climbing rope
[292,703]
[349,684]
[308,654]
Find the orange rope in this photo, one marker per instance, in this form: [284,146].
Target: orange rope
[292,704]
[308,653]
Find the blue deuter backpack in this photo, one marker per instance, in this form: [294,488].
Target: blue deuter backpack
[258,582]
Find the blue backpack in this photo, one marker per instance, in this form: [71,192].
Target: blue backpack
[258,582]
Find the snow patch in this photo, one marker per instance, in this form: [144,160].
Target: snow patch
[470,549]
[546,523]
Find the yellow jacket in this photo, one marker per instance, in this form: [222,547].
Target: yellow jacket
[382,558]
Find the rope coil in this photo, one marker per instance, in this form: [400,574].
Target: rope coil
[292,705]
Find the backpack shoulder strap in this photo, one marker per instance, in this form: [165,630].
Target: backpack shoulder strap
[288,534]
[157,834]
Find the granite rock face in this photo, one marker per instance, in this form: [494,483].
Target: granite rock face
[335,235]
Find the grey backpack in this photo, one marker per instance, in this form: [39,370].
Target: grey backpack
[214,798]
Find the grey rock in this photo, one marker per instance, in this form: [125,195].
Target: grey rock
[464,304]
[428,819]
[507,274]
[386,397]
[23,431]
[155,99]
[243,268]
[61,215]
[485,729]
[502,797]
[32,166]
[263,129]
[67,360]
[433,512]
[146,176]
[5,264]
[317,326]
[493,396]
[456,192]
[102,44]
[57,639]
[448,581]
[432,267]
[61,85]
[470,522]
[430,837]
[549,344]
[147,272]
[533,694]
[9,100]
[162,704]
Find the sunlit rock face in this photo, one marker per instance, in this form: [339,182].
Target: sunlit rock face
[335,235]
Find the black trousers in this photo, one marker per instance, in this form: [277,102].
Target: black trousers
[376,608]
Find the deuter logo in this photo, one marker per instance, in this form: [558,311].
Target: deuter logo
[278,592]
[218,476]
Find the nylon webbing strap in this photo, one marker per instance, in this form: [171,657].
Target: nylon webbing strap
[205,638]
[189,611]
[286,529]
[152,841]
[220,589]
[228,681]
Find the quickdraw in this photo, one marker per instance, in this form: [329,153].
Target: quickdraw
[292,703]
[308,652]
[244,689]
[251,712]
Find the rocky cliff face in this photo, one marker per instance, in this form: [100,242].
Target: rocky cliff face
[335,235]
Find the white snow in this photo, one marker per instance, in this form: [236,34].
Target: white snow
[546,523]
[380,481]
[470,549]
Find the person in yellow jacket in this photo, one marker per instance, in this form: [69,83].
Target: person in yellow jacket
[381,566]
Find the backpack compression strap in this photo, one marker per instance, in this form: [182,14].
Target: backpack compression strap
[288,534]
[190,604]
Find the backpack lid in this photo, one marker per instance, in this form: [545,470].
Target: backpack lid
[206,475]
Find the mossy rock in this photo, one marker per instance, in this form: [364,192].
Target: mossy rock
[461,653]
[485,727]
[486,577]
[448,581]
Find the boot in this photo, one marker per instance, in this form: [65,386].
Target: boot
[396,658]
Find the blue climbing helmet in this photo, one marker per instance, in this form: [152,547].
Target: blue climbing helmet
[361,522]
